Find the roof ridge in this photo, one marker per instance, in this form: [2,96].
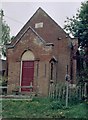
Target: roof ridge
[52,19]
[24,26]
[28,22]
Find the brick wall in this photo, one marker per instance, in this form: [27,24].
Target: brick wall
[50,33]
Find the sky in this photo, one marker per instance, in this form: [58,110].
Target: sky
[18,12]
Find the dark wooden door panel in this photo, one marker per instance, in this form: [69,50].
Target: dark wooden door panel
[27,74]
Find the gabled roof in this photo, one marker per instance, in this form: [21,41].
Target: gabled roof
[27,26]
[19,38]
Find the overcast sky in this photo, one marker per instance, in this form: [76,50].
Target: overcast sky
[18,13]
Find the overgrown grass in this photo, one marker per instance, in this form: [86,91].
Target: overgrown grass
[42,108]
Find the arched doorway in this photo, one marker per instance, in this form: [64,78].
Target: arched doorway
[27,71]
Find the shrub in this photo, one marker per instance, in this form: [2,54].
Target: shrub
[57,105]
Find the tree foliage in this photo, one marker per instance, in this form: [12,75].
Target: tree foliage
[78,25]
[5,33]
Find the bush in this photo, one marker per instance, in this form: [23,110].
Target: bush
[3,83]
[57,105]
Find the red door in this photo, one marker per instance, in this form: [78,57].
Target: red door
[27,74]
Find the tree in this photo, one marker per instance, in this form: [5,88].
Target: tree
[5,33]
[78,25]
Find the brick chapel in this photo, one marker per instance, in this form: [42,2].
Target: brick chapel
[38,56]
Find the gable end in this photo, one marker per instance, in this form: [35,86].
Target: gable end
[43,41]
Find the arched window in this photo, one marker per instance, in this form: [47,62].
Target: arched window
[53,69]
[28,55]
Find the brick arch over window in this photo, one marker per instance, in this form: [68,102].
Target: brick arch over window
[28,55]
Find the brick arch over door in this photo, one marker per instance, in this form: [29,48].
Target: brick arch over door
[27,71]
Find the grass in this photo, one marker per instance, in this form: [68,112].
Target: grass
[42,108]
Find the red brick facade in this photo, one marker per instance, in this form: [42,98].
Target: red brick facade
[52,53]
